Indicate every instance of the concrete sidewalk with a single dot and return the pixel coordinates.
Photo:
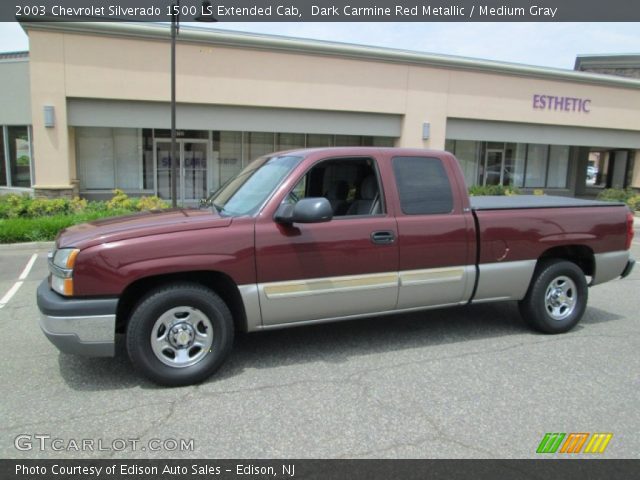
(27, 246)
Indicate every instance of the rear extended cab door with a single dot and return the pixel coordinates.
(437, 243)
(320, 271)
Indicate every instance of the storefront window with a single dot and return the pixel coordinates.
(19, 156)
(3, 165)
(348, 141)
(536, 165)
(511, 164)
(138, 160)
(289, 141)
(180, 134)
(148, 182)
(467, 153)
(450, 146)
(515, 156)
(257, 144)
(127, 153)
(558, 166)
(228, 148)
(383, 142)
(317, 141)
(109, 158)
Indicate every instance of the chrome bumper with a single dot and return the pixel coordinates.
(78, 326)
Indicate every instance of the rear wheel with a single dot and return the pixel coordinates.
(179, 334)
(557, 297)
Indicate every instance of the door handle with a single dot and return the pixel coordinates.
(383, 237)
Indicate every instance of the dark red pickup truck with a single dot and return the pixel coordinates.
(318, 235)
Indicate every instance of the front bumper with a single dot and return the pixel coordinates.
(78, 326)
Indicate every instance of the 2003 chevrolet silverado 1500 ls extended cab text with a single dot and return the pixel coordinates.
(316, 235)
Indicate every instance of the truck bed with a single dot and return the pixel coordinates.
(516, 202)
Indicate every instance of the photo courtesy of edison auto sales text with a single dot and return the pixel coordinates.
(287, 470)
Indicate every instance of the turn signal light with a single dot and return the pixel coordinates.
(71, 259)
(68, 287)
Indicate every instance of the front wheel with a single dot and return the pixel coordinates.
(179, 334)
(557, 297)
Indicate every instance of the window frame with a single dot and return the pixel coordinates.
(446, 174)
(5, 157)
(10, 159)
(384, 210)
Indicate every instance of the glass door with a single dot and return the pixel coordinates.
(194, 171)
(163, 168)
(493, 167)
(192, 181)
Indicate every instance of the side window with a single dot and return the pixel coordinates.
(350, 185)
(423, 185)
(298, 192)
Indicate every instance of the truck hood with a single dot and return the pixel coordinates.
(138, 225)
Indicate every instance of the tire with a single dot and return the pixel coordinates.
(179, 334)
(557, 297)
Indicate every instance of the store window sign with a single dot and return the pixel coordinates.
(561, 104)
(165, 162)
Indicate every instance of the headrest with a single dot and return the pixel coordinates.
(338, 191)
(369, 188)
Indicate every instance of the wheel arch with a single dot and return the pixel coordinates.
(218, 282)
(581, 255)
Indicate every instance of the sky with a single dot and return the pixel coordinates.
(542, 44)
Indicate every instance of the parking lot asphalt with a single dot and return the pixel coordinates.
(463, 382)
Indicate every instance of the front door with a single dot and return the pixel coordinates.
(192, 180)
(344, 267)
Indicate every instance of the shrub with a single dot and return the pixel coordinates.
(97, 206)
(26, 219)
(40, 207)
(151, 203)
(120, 201)
(12, 205)
(628, 196)
(78, 205)
(615, 194)
(634, 203)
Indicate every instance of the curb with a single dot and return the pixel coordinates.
(27, 246)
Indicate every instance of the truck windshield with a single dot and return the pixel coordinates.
(245, 193)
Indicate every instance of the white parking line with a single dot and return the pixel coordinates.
(16, 286)
(28, 267)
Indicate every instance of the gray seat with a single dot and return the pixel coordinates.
(368, 203)
(337, 196)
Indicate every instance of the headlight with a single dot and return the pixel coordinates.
(65, 257)
(61, 263)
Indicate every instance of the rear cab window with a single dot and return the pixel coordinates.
(423, 185)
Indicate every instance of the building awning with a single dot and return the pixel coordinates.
(134, 114)
(493, 131)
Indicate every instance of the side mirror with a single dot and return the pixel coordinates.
(307, 210)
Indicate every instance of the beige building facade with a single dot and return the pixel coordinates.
(99, 116)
